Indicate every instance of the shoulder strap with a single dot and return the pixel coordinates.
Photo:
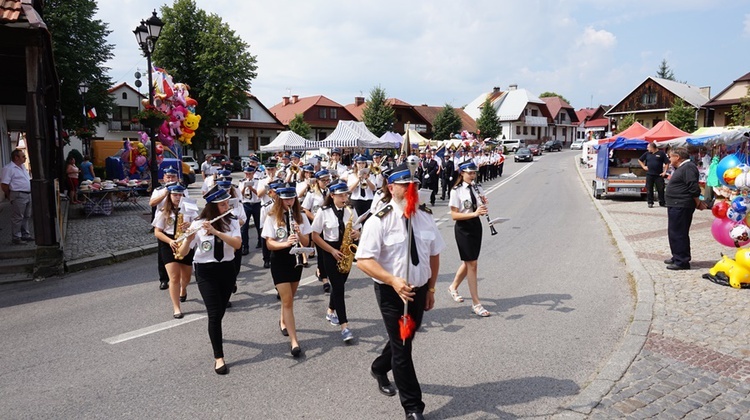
(385, 210)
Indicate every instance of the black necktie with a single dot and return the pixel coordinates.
(473, 198)
(174, 232)
(340, 216)
(413, 250)
(218, 249)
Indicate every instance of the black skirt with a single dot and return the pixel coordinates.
(468, 238)
(283, 269)
(167, 255)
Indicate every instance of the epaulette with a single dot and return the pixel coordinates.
(325, 207)
(424, 207)
(385, 199)
(385, 210)
(160, 187)
(456, 187)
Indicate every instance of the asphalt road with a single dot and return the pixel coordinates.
(103, 344)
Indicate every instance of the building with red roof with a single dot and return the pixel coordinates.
(321, 113)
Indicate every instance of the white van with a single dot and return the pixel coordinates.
(513, 145)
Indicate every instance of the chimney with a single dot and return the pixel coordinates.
(496, 89)
(512, 87)
(359, 100)
(284, 100)
(705, 91)
(295, 99)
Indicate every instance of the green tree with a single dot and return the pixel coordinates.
(199, 49)
(553, 94)
(488, 122)
(664, 72)
(740, 114)
(625, 122)
(79, 43)
(682, 116)
(446, 122)
(299, 126)
(377, 115)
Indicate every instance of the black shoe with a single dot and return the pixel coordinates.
(662, 205)
(651, 205)
(229, 304)
(669, 261)
(442, 198)
(234, 289)
(327, 287)
(223, 370)
(678, 267)
(414, 416)
(384, 385)
(266, 264)
(183, 298)
(245, 250)
(257, 245)
(296, 351)
(178, 315)
(164, 285)
(284, 331)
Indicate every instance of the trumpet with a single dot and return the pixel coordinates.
(294, 169)
(375, 169)
(490, 222)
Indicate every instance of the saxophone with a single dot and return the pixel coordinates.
(177, 233)
(347, 248)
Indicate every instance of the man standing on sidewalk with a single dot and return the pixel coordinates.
(16, 184)
(683, 197)
(655, 163)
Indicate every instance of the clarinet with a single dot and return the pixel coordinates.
(296, 252)
(490, 222)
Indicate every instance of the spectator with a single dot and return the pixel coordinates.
(73, 172)
(16, 184)
(87, 169)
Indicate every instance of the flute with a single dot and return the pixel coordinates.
(191, 231)
(490, 222)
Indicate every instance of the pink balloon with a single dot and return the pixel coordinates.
(140, 160)
(720, 229)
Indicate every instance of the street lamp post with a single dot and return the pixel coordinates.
(82, 89)
(147, 33)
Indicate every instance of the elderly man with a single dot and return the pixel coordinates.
(16, 184)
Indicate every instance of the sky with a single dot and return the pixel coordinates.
(437, 52)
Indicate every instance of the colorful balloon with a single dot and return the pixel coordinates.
(728, 162)
(720, 209)
(720, 229)
(740, 234)
(735, 216)
(740, 204)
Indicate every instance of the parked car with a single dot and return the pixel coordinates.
(223, 160)
(192, 163)
(240, 162)
(553, 145)
(523, 155)
(535, 149)
(513, 145)
(577, 144)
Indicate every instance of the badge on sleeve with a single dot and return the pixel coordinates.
(467, 204)
(206, 246)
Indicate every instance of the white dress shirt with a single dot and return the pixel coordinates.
(204, 243)
(327, 224)
(461, 198)
(279, 232)
(17, 178)
(165, 221)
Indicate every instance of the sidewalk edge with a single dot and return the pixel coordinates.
(635, 337)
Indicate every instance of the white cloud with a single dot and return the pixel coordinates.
(594, 38)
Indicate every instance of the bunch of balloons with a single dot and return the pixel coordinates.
(174, 100)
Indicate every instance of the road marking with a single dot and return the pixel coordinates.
(303, 282)
(152, 329)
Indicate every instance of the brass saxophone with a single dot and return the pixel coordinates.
(177, 233)
(347, 248)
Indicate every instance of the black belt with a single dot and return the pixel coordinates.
(22, 192)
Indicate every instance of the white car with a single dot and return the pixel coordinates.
(577, 144)
(192, 163)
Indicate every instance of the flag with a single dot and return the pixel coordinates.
(91, 113)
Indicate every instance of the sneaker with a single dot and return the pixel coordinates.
(332, 318)
(346, 335)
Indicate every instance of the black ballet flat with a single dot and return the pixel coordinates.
(183, 298)
(296, 351)
(223, 370)
(178, 315)
(284, 331)
(229, 304)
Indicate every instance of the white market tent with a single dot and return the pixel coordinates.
(392, 137)
(354, 134)
(709, 137)
(289, 141)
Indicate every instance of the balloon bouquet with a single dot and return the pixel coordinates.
(730, 226)
(179, 128)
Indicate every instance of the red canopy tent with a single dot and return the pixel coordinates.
(663, 131)
(634, 131)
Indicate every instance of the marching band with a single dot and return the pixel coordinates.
(300, 211)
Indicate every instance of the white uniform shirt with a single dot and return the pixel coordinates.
(237, 210)
(385, 239)
(301, 188)
(279, 232)
(327, 224)
(357, 193)
(377, 202)
(461, 198)
(165, 221)
(208, 182)
(250, 197)
(313, 201)
(17, 178)
(204, 243)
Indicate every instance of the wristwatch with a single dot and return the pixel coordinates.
(431, 290)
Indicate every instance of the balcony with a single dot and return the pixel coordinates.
(534, 121)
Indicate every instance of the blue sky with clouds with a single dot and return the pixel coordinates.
(439, 51)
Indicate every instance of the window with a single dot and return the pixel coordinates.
(334, 113)
(656, 121)
(649, 98)
(264, 141)
(322, 112)
(518, 129)
(534, 113)
(124, 95)
(565, 131)
(525, 130)
(554, 131)
(533, 131)
(122, 117)
(246, 114)
(322, 135)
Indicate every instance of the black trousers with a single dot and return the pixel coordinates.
(215, 282)
(678, 230)
(251, 210)
(336, 301)
(651, 182)
(361, 206)
(433, 186)
(266, 251)
(163, 276)
(396, 355)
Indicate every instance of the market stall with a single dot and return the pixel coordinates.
(289, 141)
